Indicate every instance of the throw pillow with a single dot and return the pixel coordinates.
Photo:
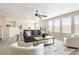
(28, 33)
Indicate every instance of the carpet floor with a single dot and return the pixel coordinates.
(57, 48)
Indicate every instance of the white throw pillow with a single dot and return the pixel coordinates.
(28, 33)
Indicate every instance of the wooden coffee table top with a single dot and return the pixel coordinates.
(41, 38)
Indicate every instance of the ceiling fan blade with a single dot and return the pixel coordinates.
(39, 16)
(43, 15)
(36, 14)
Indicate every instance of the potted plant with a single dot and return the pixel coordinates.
(44, 35)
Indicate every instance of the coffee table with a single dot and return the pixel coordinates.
(47, 40)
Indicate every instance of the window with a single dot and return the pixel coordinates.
(66, 25)
(57, 25)
(76, 22)
(50, 25)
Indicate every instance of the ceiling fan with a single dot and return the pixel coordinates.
(38, 15)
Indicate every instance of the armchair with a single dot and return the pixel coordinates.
(72, 41)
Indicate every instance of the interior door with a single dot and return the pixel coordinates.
(0, 32)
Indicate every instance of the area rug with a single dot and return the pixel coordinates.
(58, 49)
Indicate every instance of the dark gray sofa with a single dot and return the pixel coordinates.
(34, 33)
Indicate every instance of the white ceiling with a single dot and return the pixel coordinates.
(25, 11)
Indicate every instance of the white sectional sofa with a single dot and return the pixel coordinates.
(26, 50)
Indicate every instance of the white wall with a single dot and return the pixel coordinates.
(25, 24)
(13, 31)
